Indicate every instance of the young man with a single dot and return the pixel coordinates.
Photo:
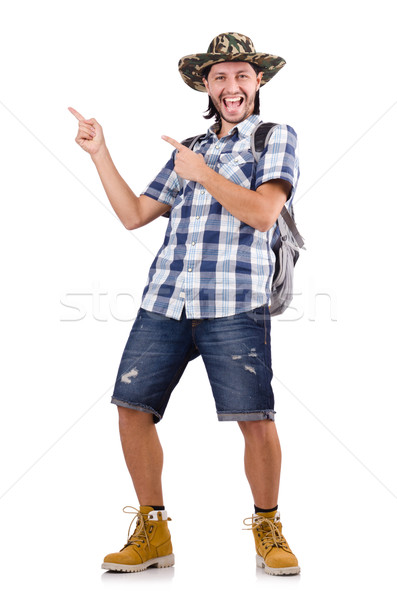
(207, 292)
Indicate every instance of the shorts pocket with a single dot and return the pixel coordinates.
(153, 315)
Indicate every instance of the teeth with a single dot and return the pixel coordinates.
(232, 99)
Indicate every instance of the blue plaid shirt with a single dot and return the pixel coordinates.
(211, 263)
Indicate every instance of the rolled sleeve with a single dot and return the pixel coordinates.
(279, 160)
(166, 185)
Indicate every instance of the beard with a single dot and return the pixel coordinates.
(245, 109)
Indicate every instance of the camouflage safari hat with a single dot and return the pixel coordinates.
(224, 48)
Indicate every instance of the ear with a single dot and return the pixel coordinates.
(206, 84)
(258, 80)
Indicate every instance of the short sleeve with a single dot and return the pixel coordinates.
(166, 185)
(280, 159)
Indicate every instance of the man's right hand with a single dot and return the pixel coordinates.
(90, 134)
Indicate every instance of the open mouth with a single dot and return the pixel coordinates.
(232, 103)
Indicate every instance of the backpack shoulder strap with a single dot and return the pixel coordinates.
(259, 138)
(289, 221)
(190, 142)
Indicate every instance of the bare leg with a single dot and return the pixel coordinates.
(143, 454)
(262, 461)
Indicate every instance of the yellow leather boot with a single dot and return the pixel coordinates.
(272, 551)
(149, 545)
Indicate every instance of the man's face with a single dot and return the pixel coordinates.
(232, 87)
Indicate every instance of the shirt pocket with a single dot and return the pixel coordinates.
(237, 167)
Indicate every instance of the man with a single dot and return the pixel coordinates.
(207, 293)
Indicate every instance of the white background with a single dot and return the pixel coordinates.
(63, 478)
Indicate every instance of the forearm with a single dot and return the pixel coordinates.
(123, 200)
(246, 205)
(259, 209)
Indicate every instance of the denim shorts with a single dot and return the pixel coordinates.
(236, 354)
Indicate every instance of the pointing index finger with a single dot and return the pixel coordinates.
(173, 142)
(74, 112)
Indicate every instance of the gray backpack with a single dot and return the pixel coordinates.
(286, 242)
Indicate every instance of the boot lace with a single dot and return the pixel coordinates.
(140, 534)
(268, 531)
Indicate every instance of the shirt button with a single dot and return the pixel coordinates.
(189, 269)
(236, 160)
(197, 217)
(202, 192)
(193, 243)
(217, 146)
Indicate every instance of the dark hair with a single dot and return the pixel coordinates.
(211, 110)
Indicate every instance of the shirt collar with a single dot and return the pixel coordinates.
(244, 129)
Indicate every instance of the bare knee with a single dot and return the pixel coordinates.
(257, 430)
(129, 417)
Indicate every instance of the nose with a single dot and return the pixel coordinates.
(231, 86)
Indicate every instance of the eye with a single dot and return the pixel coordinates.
(219, 77)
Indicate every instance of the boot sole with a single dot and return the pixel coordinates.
(161, 562)
(281, 571)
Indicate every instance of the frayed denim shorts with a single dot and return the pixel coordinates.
(236, 354)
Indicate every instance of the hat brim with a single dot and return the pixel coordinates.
(192, 65)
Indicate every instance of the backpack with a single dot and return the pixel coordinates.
(286, 242)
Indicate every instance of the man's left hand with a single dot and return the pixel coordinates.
(188, 164)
